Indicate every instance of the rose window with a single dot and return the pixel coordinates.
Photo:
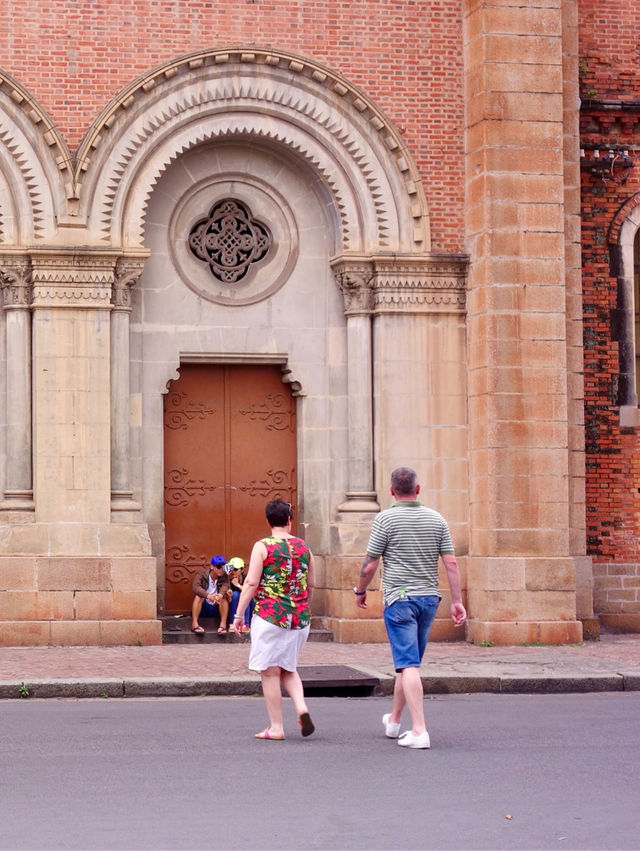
(229, 240)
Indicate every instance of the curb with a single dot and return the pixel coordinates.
(250, 686)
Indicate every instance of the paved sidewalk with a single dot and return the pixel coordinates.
(611, 664)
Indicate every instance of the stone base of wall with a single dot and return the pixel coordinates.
(78, 601)
(616, 595)
(524, 632)
(369, 630)
(620, 622)
(79, 633)
(522, 600)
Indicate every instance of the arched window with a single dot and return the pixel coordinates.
(636, 306)
(626, 318)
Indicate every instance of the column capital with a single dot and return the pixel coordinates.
(353, 276)
(15, 280)
(127, 273)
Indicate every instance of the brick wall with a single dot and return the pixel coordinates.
(75, 55)
(609, 39)
(609, 72)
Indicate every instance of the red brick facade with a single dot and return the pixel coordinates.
(76, 55)
(610, 116)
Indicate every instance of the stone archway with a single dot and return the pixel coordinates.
(254, 94)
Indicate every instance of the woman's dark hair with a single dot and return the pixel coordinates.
(278, 512)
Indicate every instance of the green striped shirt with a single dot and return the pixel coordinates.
(410, 537)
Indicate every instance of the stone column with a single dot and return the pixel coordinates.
(521, 567)
(127, 272)
(15, 279)
(353, 278)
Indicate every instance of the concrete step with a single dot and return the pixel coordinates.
(176, 629)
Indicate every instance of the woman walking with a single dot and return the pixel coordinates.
(281, 577)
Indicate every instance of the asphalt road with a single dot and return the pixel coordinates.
(504, 772)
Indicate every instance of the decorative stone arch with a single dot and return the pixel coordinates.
(269, 97)
(35, 165)
(622, 238)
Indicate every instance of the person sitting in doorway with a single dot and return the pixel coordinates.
(236, 577)
(211, 595)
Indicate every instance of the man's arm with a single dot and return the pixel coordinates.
(367, 572)
(196, 586)
(458, 612)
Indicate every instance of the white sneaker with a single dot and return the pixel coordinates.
(391, 730)
(408, 740)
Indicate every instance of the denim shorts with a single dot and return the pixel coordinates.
(408, 623)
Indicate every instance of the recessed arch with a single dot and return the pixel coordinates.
(34, 166)
(263, 95)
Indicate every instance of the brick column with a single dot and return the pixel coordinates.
(521, 571)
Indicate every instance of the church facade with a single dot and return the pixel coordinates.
(265, 250)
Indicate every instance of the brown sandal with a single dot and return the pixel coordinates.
(306, 724)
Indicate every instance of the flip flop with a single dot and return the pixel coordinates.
(222, 630)
(197, 629)
(306, 724)
(265, 734)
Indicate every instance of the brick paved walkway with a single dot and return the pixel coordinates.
(611, 653)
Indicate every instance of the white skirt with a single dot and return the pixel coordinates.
(272, 645)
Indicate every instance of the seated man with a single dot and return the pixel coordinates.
(211, 595)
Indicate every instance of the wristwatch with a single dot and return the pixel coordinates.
(359, 593)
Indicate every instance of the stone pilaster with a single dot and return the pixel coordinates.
(15, 280)
(127, 272)
(353, 277)
(521, 567)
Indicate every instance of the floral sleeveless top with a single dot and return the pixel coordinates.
(282, 593)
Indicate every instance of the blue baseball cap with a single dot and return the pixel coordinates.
(218, 561)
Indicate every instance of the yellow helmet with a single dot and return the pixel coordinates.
(236, 563)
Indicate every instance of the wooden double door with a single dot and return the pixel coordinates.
(229, 448)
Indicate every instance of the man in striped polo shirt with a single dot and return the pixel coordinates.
(409, 538)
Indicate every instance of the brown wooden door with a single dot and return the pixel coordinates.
(229, 447)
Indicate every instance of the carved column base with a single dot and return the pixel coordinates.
(18, 500)
(361, 501)
(124, 501)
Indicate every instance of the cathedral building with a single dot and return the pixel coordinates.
(274, 249)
